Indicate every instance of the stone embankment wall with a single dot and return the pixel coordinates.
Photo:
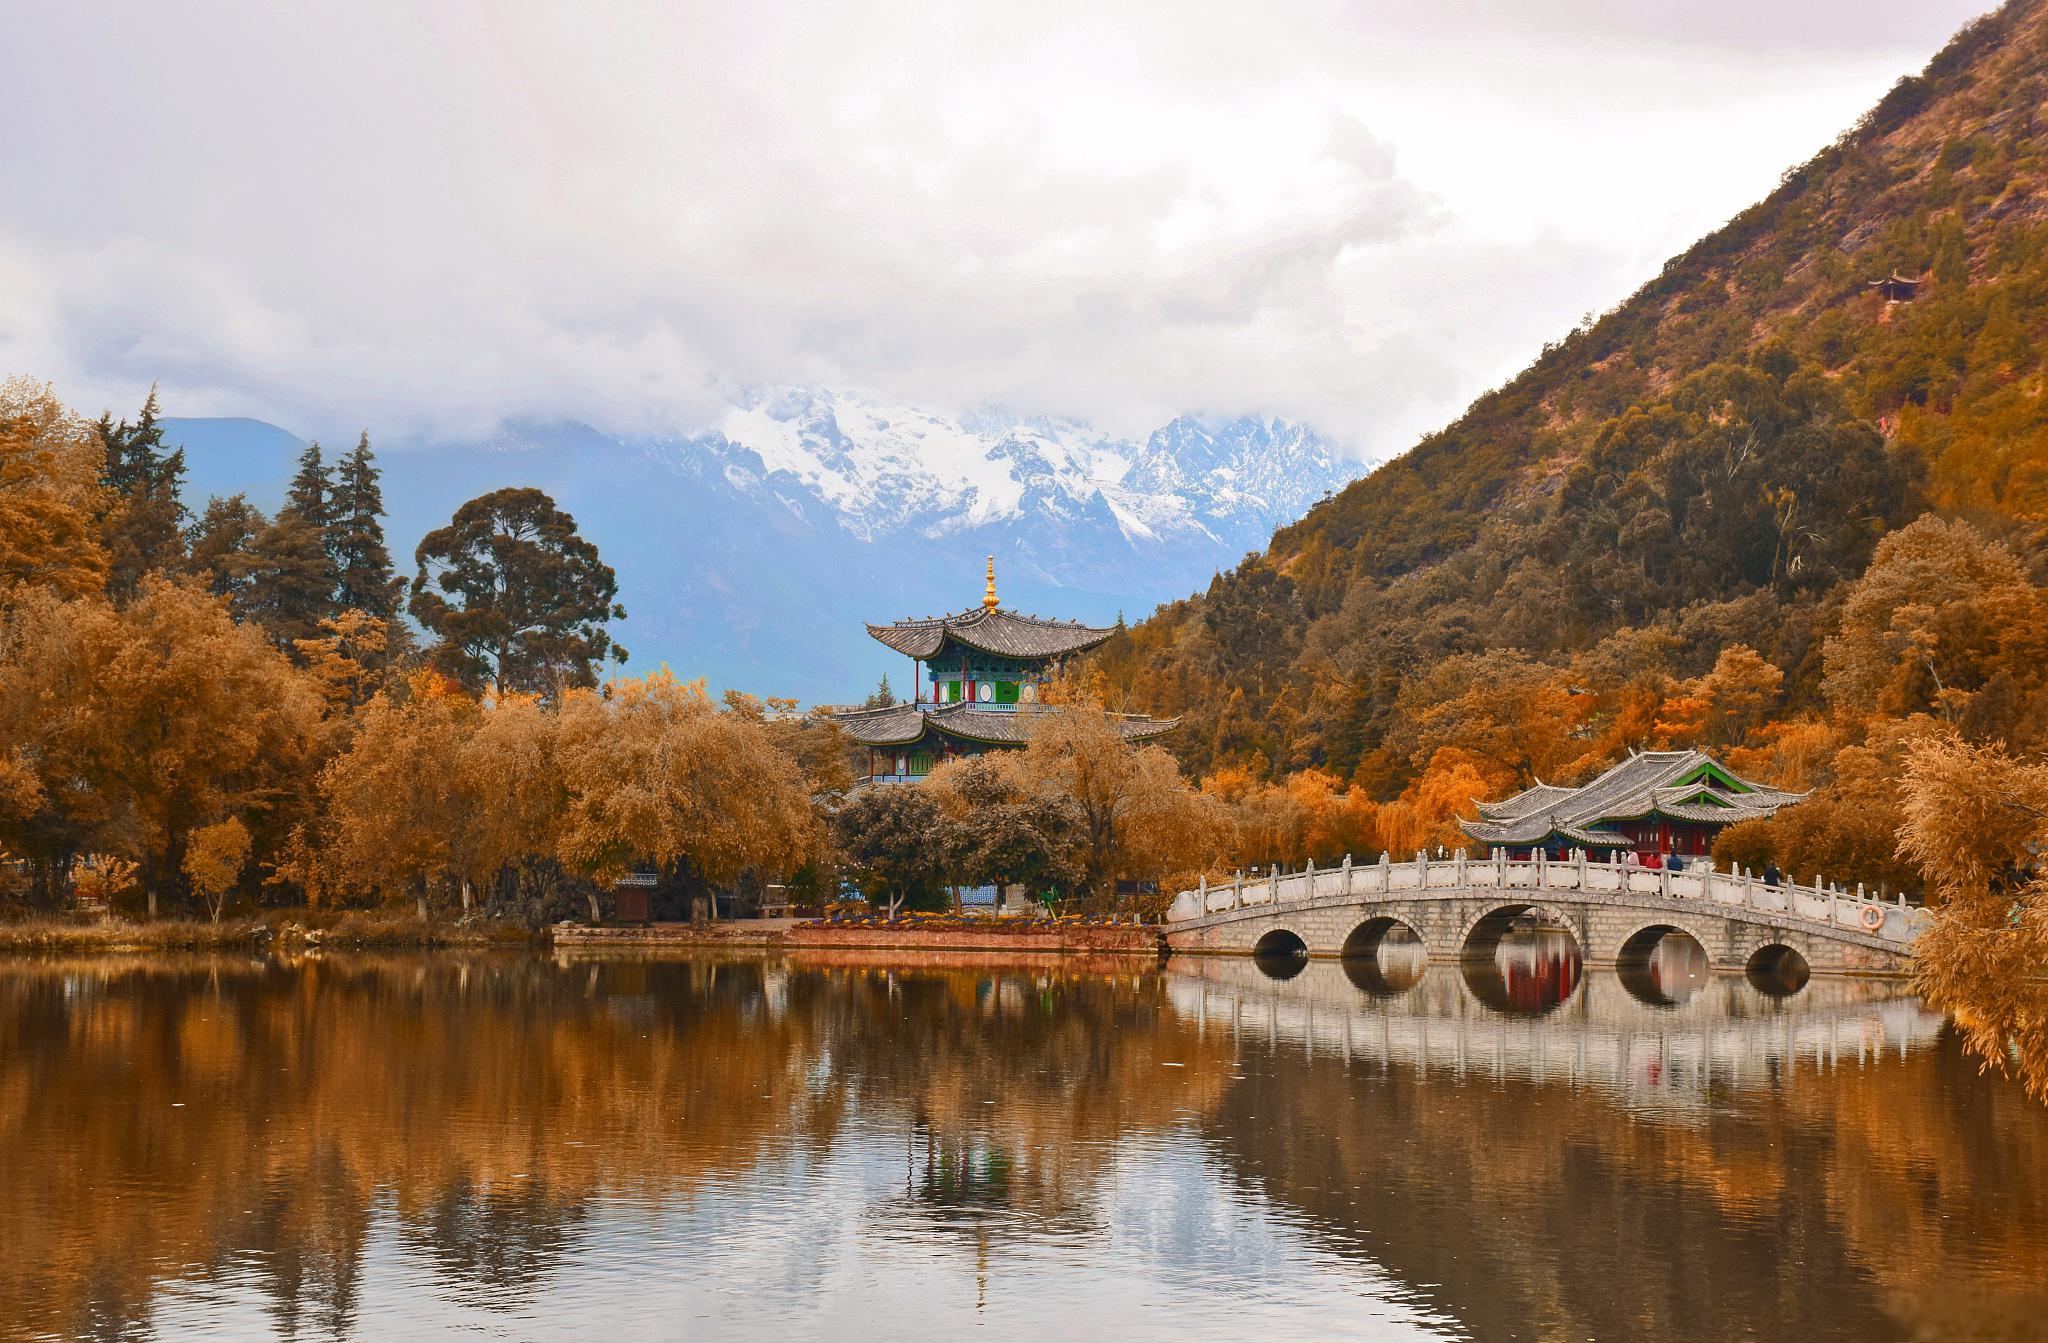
(1123, 939)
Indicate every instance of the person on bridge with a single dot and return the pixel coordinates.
(1676, 862)
(1772, 876)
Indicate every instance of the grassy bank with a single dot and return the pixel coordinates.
(299, 930)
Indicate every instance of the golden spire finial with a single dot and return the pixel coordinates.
(988, 594)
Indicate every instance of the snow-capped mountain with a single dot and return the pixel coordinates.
(753, 551)
(886, 471)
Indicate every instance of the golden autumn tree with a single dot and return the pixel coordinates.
(1975, 820)
(349, 660)
(1723, 707)
(1139, 816)
(49, 495)
(201, 720)
(1426, 813)
(1510, 715)
(654, 771)
(53, 803)
(215, 860)
(142, 725)
(509, 776)
(1940, 615)
(1307, 816)
(394, 802)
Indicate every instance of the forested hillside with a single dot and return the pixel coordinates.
(1694, 521)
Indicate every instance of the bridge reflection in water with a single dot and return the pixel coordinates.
(1530, 1012)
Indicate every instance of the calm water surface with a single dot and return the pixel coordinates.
(525, 1147)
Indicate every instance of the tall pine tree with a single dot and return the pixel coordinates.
(291, 563)
(364, 580)
(223, 545)
(291, 580)
(144, 526)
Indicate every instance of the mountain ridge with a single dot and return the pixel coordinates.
(1559, 507)
(754, 551)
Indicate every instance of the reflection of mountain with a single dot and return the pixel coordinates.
(331, 1141)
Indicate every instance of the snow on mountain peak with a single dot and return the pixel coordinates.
(884, 468)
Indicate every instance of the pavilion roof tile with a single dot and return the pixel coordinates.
(1681, 785)
(991, 629)
(903, 724)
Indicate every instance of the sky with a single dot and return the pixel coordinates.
(427, 219)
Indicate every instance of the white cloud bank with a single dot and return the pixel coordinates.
(425, 217)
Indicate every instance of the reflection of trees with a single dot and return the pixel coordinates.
(1013, 1082)
(1916, 1195)
(492, 1246)
(248, 1119)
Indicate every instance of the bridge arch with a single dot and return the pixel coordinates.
(1636, 964)
(1363, 942)
(1640, 945)
(1281, 953)
(1480, 938)
(1369, 971)
(1777, 969)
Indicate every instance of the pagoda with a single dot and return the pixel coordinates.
(979, 677)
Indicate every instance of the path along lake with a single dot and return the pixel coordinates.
(526, 1146)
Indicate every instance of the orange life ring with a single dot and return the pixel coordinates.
(1873, 917)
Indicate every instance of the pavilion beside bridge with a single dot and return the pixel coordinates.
(1653, 803)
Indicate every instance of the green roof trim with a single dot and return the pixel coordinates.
(1719, 777)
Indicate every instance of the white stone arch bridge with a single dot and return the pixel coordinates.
(1458, 908)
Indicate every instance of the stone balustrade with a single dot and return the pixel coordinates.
(1819, 905)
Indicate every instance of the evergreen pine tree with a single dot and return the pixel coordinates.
(223, 549)
(144, 527)
(311, 493)
(295, 574)
(291, 579)
(355, 538)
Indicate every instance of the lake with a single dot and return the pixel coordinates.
(525, 1146)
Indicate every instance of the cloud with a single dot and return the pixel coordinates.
(428, 218)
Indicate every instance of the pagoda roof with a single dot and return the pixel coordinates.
(1678, 785)
(903, 724)
(991, 629)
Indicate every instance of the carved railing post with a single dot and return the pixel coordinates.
(1422, 869)
(1273, 884)
(1201, 895)
(1347, 874)
(1461, 867)
(1386, 872)
(1309, 880)
(1237, 890)
(1582, 869)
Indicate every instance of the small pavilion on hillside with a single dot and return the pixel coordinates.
(1653, 802)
